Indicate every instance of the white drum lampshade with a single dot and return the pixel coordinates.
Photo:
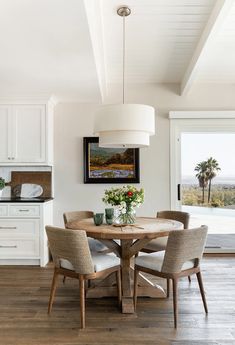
(125, 125)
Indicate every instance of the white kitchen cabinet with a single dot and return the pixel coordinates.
(23, 239)
(27, 134)
(5, 147)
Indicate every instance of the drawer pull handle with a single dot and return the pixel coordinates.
(8, 227)
(8, 246)
(24, 210)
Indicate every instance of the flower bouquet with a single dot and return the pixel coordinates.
(126, 199)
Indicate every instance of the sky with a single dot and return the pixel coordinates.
(196, 147)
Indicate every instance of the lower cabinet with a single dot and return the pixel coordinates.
(23, 239)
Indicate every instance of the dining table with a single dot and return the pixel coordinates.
(126, 241)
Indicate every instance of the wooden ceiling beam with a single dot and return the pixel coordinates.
(95, 23)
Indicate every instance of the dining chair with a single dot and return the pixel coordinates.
(72, 258)
(180, 259)
(95, 245)
(159, 244)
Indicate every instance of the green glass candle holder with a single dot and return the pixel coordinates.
(109, 215)
(98, 218)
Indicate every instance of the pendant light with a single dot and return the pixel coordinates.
(124, 125)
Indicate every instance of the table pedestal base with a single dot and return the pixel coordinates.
(107, 288)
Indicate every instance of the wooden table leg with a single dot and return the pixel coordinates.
(127, 298)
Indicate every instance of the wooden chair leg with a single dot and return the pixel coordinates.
(82, 300)
(135, 287)
(189, 279)
(168, 286)
(175, 300)
(200, 283)
(53, 290)
(119, 286)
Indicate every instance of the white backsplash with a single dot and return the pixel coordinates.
(5, 172)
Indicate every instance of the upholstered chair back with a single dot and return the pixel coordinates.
(76, 215)
(70, 245)
(179, 216)
(183, 246)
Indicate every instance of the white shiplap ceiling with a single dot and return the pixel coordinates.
(218, 65)
(73, 48)
(46, 48)
(161, 36)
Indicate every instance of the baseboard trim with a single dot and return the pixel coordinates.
(21, 262)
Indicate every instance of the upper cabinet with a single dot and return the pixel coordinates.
(5, 146)
(27, 134)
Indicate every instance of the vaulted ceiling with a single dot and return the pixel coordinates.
(73, 48)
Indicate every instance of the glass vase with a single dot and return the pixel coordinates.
(127, 217)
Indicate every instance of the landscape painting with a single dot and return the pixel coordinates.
(109, 165)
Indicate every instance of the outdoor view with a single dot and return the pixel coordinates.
(208, 170)
(208, 180)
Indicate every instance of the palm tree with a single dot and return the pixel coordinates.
(202, 177)
(212, 166)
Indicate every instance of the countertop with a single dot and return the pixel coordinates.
(26, 200)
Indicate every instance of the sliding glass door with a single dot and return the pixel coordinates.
(203, 177)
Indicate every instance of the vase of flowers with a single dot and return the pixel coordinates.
(126, 199)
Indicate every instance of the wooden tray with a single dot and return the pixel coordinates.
(42, 178)
(135, 225)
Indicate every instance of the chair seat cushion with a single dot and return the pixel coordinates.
(66, 264)
(154, 261)
(104, 261)
(101, 262)
(158, 244)
(95, 245)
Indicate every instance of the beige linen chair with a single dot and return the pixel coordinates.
(72, 258)
(159, 244)
(180, 259)
(95, 245)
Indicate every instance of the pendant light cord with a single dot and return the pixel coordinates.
(123, 12)
(123, 58)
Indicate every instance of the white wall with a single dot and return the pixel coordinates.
(73, 121)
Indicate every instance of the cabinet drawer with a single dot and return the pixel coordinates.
(3, 210)
(19, 228)
(24, 211)
(19, 248)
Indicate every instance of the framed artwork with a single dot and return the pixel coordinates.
(109, 165)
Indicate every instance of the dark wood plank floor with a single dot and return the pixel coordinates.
(24, 295)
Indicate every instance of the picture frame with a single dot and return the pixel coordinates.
(109, 165)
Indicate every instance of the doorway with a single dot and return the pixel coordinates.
(203, 165)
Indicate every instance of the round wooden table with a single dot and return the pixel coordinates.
(132, 239)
